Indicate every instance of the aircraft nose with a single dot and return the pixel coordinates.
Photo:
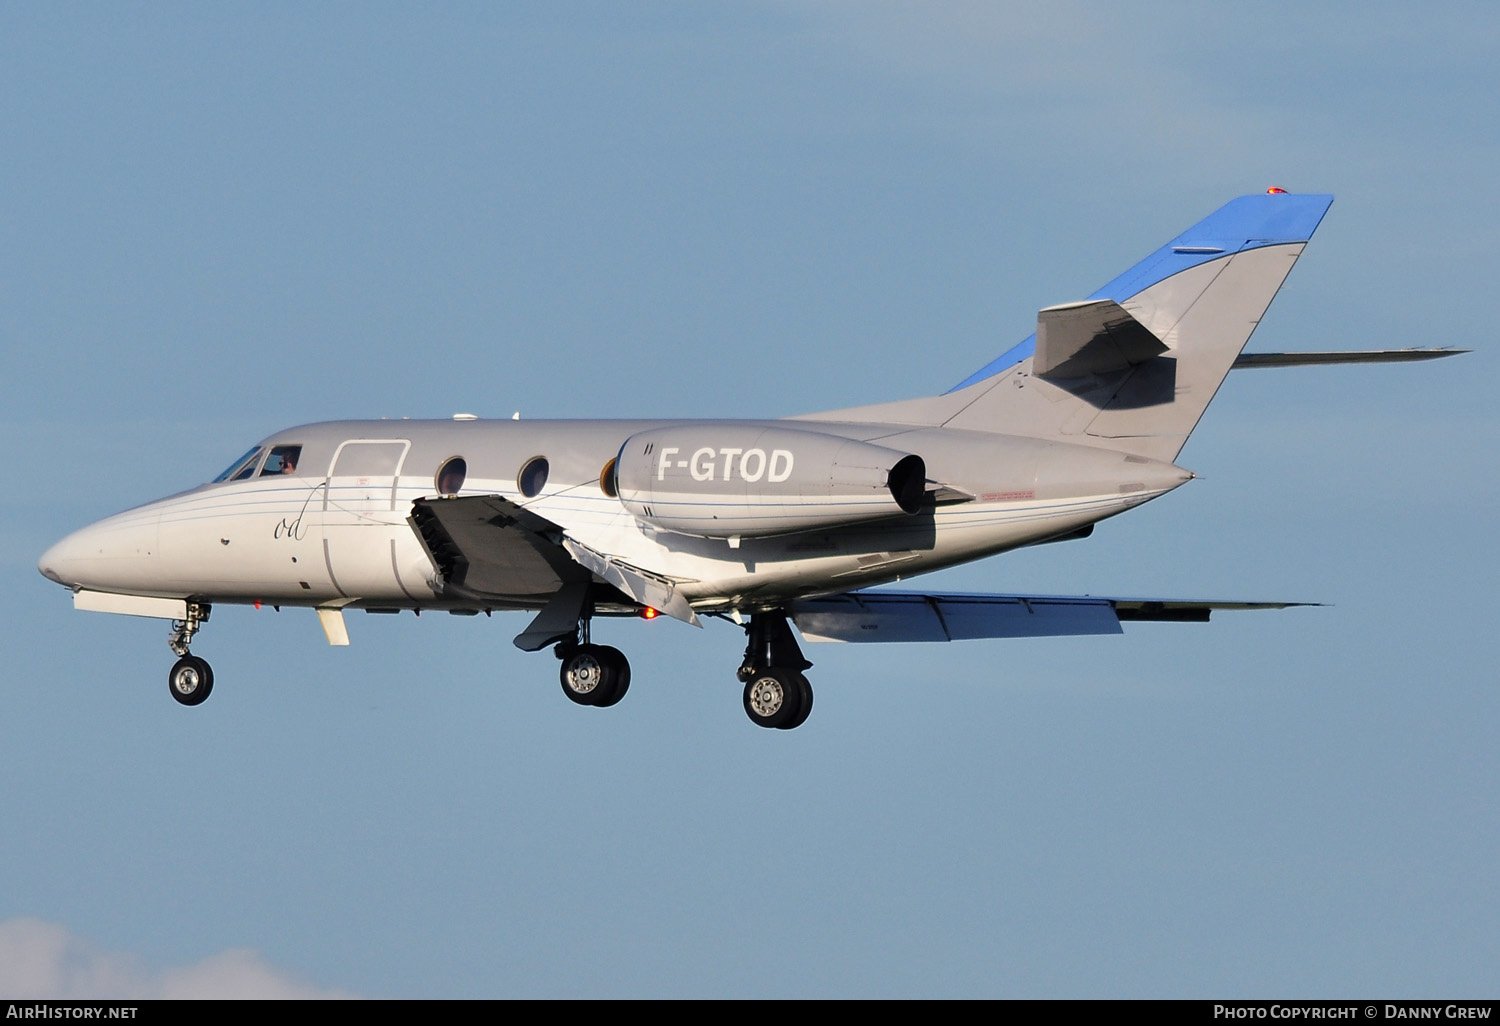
(47, 565)
(108, 555)
(61, 562)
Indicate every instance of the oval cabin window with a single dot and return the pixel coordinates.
(533, 477)
(450, 476)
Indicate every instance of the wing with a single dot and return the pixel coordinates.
(489, 550)
(916, 616)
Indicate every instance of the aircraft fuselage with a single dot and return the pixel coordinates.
(334, 529)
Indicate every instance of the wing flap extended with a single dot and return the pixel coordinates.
(486, 546)
(872, 616)
(649, 589)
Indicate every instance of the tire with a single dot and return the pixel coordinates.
(805, 698)
(619, 668)
(190, 680)
(772, 698)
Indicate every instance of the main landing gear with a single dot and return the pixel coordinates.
(191, 678)
(776, 692)
(592, 674)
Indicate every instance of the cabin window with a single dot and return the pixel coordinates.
(242, 467)
(450, 476)
(283, 460)
(533, 477)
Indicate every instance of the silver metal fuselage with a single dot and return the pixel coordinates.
(335, 532)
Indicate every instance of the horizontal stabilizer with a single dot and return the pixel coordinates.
(1096, 336)
(913, 616)
(1353, 356)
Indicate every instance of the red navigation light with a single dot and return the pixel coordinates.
(1275, 190)
(647, 613)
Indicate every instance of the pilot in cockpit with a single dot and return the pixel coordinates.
(283, 460)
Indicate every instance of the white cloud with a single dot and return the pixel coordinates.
(43, 960)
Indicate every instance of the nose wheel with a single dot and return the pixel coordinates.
(191, 680)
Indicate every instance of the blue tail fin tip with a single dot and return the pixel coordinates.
(1248, 222)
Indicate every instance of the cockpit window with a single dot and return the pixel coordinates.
(242, 467)
(283, 460)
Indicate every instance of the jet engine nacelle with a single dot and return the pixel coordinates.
(723, 480)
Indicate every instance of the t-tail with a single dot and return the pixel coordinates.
(1133, 366)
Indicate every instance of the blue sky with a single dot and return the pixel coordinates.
(221, 221)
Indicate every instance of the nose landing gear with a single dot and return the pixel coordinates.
(191, 679)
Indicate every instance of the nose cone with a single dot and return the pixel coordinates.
(56, 561)
(115, 554)
(70, 561)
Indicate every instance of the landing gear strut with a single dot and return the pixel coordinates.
(191, 679)
(596, 675)
(776, 692)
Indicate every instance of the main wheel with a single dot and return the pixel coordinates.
(594, 675)
(804, 710)
(773, 698)
(615, 662)
(190, 680)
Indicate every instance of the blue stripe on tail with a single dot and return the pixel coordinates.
(1249, 222)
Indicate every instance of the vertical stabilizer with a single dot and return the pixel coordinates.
(1133, 366)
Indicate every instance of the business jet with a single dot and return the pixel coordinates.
(765, 523)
